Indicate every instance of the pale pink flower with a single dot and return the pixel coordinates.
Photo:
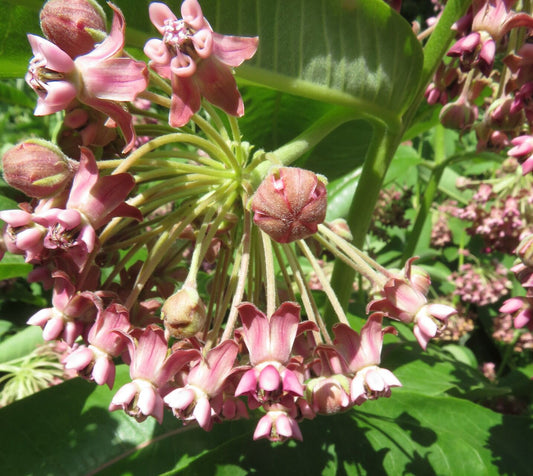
(362, 354)
(269, 342)
(92, 202)
(150, 369)
(523, 151)
(102, 78)
(278, 424)
(201, 398)
(95, 361)
(404, 300)
(197, 60)
(71, 311)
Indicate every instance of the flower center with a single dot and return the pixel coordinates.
(178, 36)
(38, 74)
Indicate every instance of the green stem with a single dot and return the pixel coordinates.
(429, 193)
(379, 155)
(303, 143)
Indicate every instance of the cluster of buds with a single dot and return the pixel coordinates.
(462, 83)
(126, 222)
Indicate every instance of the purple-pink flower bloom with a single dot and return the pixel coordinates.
(404, 300)
(269, 342)
(201, 398)
(197, 60)
(361, 352)
(95, 361)
(102, 78)
(523, 151)
(71, 311)
(150, 369)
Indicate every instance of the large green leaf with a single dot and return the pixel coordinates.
(68, 430)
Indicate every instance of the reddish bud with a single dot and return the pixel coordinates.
(67, 23)
(184, 313)
(290, 204)
(459, 115)
(38, 168)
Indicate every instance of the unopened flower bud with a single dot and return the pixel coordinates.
(525, 250)
(290, 204)
(38, 168)
(67, 23)
(459, 115)
(184, 313)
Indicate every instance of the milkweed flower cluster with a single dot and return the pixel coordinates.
(122, 229)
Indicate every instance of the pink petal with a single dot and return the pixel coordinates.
(291, 383)
(203, 43)
(53, 328)
(112, 44)
(283, 329)
(247, 384)
(256, 332)
(421, 337)
(269, 379)
(374, 381)
(115, 79)
(218, 86)
(56, 58)
(263, 428)
(233, 50)
(16, 218)
(512, 305)
(27, 239)
(202, 413)
(180, 398)
(192, 13)
(186, 100)
(147, 400)
(210, 376)
(159, 12)
(59, 94)
(79, 359)
(40, 318)
(124, 396)
(104, 371)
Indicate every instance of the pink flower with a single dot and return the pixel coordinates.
(71, 311)
(150, 369)
(278, 424)
(523, 151)
(197, 60)
(269, 342)
(92, 202)
(201, 398)
(362, 354)
(101, 79)
(522, 310)
(404, 300)
(96, 360)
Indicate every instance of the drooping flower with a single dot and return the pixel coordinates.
(405, 301)
(201, 398)
(278, 424)
(71, 311)
(150, 369)
(102, 78)
(361, 352)
(92, 202)
(269, 342)
(492, 19)
(96, 360)
(196, 60)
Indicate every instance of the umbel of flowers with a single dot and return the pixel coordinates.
(121, 238)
